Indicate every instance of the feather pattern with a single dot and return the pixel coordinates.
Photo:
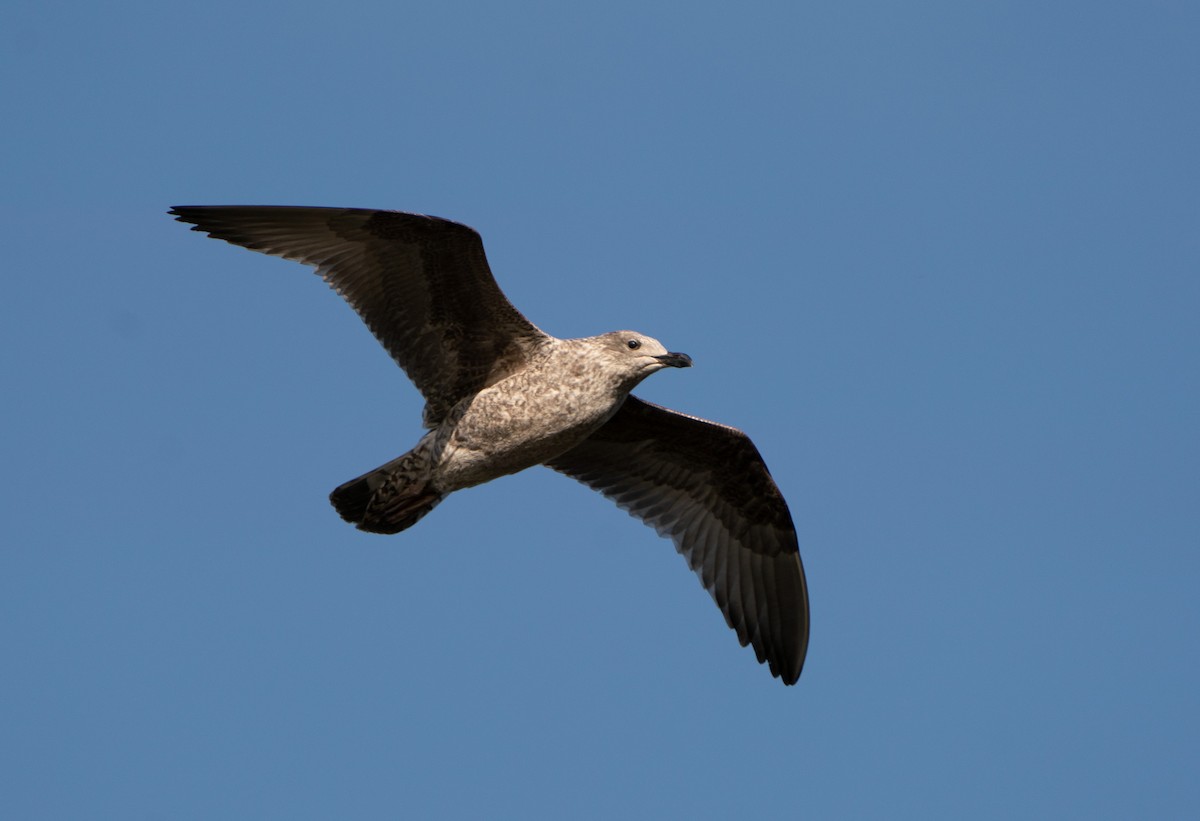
(706, 487)
(421, 284)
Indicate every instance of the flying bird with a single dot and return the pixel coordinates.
(502, 396)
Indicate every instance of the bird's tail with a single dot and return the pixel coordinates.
(389, 499)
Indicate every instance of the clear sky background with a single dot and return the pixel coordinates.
(941, 260)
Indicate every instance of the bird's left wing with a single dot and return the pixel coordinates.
(706, 487)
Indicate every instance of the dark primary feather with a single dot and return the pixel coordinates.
(421, 284)
(706, 487)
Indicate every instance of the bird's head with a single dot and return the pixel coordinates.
(638, 355)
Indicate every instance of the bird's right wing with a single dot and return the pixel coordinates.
(706, 487)
(421, 284)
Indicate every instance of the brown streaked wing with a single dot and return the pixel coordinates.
(421, 284)
(706, 487)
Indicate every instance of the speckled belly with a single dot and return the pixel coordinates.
(502, 431)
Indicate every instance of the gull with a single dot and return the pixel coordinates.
(502, 396)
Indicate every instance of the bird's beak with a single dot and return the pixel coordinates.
(675, 360)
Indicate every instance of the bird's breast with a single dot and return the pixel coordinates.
(520, 422)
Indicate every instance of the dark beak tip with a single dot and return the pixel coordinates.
(676, 360)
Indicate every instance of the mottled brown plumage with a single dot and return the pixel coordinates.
(705, 487)
(502, 396)
(421, 284)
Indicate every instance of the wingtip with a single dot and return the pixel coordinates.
(184, 213)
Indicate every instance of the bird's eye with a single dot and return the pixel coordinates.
(634, 344)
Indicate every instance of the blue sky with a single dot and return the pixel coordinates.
(941, 261)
